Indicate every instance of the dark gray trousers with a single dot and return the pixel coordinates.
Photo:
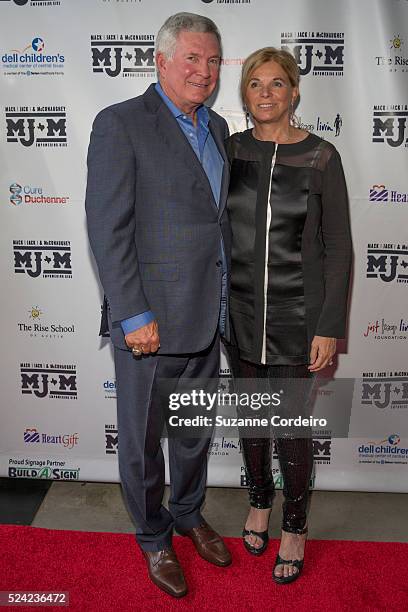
(141, 417)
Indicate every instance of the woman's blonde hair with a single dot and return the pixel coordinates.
(268, 54)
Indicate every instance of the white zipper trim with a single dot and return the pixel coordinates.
(266, 279)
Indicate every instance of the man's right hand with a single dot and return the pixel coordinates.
(145, 339)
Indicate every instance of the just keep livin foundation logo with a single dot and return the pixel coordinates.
(317, 53)
(395, 56)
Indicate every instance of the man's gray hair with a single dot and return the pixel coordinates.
(166, 40)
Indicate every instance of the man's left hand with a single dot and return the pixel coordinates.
(145, 339)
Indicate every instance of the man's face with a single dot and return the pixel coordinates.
(191, 75)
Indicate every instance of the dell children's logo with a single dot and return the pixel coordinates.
(316, 53)
(131, 55)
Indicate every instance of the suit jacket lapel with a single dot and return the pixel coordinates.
(219, 141)
(173, 137)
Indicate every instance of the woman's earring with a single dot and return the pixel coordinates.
(246, 117)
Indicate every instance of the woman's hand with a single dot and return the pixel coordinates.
(321, 353)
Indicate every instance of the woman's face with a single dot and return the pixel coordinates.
(269, 94)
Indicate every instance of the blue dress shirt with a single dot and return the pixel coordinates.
(204, 146)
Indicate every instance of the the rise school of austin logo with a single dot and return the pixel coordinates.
(32, 60)
(43, 258)
(56, 381)
(382, 329)
(38, 3)
(394, 58)
(33, 436)
(30, 194)
(111, 439)
(386, 451)
(46, 469)
(44, 126)
(381, 193)
(385, 390)
(317, 53)
(129, 55)
(324, 126)
(387, 262)
(390, 124)
(37, 325)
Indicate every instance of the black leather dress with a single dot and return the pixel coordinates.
(291, 256)
(291, 247)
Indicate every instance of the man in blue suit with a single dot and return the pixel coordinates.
(156, 194)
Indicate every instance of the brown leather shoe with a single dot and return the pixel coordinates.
(165, 571)
(209, 544)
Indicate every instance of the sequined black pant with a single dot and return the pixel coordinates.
(295, 454)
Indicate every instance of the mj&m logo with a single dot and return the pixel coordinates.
(129, 55)
(385, 391)
(45, 258)
(388, 262)
(390, 124)
(316, 53)
(44, 126)
(49, 380)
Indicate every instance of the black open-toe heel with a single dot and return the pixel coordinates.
(263, 535)
(286, 579)
(298, 563)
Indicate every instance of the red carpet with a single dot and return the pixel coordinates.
(104, 571)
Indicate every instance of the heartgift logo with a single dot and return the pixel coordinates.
(33, 436)
(380, 193)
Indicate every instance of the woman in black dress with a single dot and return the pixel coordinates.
(291, 255)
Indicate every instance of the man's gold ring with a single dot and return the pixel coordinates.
(136, 352)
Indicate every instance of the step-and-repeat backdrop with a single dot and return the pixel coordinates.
(64, 60)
